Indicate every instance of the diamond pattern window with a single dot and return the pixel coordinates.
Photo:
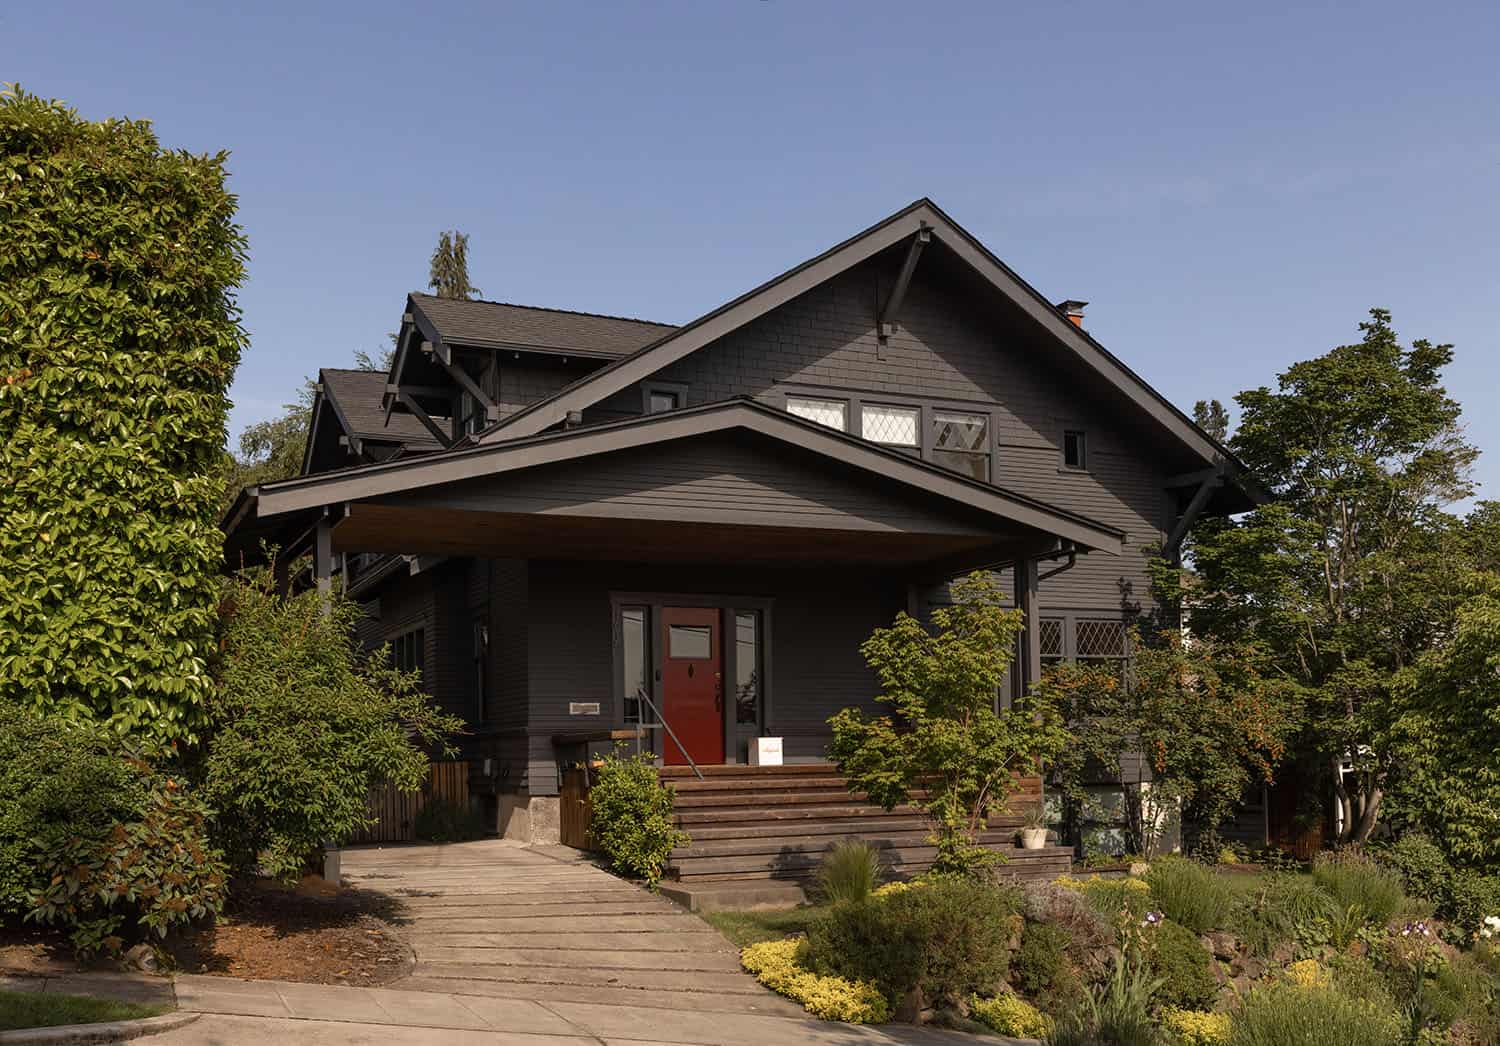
(833, 413)
(1050, 638)
(893, 426)
(961, 442)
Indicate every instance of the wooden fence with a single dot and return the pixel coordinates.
(396, 812)
(574, 809)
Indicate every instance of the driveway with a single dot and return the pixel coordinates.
(523, 945)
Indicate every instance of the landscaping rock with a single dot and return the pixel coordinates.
(1248, 966)
(1139, 868)
(1223, 945)
(142, 957)
(1283, 954)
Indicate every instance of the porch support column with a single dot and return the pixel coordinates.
(323, 560)
(1028, 668)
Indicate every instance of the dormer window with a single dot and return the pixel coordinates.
(662, 396)
(891, 426)
(658, 402)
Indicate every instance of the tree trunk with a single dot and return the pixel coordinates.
(1369, 815)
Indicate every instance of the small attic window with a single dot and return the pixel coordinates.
(1075, 450)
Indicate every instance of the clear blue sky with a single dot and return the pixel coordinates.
(1231, 189)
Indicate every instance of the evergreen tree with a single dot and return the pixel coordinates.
(448, 274)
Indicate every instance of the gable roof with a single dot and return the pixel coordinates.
(500, 325)
(356, 396)
(679, 342)
(379, 480)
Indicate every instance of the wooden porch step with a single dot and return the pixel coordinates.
(759, 800)
(752, 785)
(853, 827)
(762, 815)
(744, 770)
(901, 860)
(879, 837)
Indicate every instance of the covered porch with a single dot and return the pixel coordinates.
(706, 576)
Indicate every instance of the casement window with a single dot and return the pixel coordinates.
(1086, 640)
(1075, 450)
(961, 442)
(833, 413)
(471, 417)
(892, 426)
(409, 651)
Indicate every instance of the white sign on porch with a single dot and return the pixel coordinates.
(765, 751)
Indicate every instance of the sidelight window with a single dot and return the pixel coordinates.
(747, 669)
(636, 663)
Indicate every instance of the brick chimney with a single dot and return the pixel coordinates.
(1073, 310)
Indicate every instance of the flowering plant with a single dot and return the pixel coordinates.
(1490, 927)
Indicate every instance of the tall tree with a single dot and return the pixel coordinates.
(448, 274)
(1350, 572)
(119, 335)
(1212, 418)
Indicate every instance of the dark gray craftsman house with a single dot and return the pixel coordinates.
(574, 523)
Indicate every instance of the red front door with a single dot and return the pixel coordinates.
(692, 684)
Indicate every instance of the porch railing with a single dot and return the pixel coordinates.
(661, 721)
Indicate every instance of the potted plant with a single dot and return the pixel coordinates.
(1034, 829)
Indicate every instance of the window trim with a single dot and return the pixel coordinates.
(676, 389)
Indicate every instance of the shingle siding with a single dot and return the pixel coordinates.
(944, 349)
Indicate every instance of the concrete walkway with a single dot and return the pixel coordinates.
(501, 920)
(257, 1012)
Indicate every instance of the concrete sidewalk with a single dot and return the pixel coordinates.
(254, 1013)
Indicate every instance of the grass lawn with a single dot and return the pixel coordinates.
(36, 1010)
(750, 927)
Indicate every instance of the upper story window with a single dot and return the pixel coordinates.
(833, 413)
(471, 417)
(1075, 449)
(657, 402)
(891, 425)
(961, 441)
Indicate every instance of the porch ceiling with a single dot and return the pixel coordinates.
(409, 529)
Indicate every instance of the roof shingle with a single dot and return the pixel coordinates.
(493, 324)
(358, 395)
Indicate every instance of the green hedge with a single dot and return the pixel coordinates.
(119, 336)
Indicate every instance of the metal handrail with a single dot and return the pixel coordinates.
(641, 693)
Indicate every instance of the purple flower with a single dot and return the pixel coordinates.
(1418, 928)
(1152, 918)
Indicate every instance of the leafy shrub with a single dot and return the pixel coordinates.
(1011, 1015)
(119, 339)
(1282, 909)
(631, 819)
(776, 965)
(1196, 1027)
(1357, 978)
(1423, 867)
(1042, 959)
(950, 939)
(1355, 881)
(1090, 932)
(1183, 966)
(847, 872)
(301, 727)
(1283, 1014)
(1115, 1013)
(1473, 898)
(95, 841)
(1112, 896)
(944, 747)
(444, 821)
(1188, 893)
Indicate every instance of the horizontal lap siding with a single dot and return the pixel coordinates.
(818, 620)
(730, 479)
